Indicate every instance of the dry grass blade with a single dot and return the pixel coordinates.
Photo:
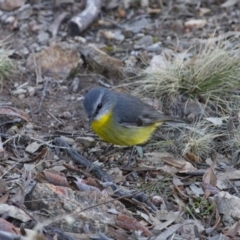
(6, 64)
(233, 144)
(162, 81)
(198, 139)
(216, 70)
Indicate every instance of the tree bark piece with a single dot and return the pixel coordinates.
(82, 21)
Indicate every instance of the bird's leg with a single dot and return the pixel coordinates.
(130, 159)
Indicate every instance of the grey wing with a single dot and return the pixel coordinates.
(132, 112)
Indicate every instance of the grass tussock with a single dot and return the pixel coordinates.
(6, 63)
(198, 139)
(213, 70)
(207, 76)
(233, 144)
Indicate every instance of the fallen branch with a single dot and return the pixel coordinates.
(80, 22)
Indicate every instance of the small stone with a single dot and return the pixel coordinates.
(35, 47)
(156, 47)
(69, 141)
(25, 12)
(10, 5)
(21, 96)
(4, 17)
(82, 40)
(33, 147)
(64, 88)
(24, 51)
(75, 84)
(23, 28)
(86, 141)
(143, 42)
(78, 147)
(55, 157)
(43, 37)
(29, 126)
(31, 91)
(34, 26)
(10, 19)
(67, 115)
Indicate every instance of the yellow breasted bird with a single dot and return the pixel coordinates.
(122, 119)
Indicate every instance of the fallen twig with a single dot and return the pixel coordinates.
(43, 96)
(80, 22)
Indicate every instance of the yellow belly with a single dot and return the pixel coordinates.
(116, 134)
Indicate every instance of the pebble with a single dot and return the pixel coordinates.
(69, 141)
(24, 51)
(35, 47)
(29, 126)
(43, 37)
(5, 16)
(31, 91)
(80, 39)
(78, 147)
(10, 19)
(25, 12)
(67, 115)
(156, 47)
(32, 147)
(143, 42)
(86, 141)
(75, 84)
(21, 96)
(64, 88)
(119, 36)
(55, 157)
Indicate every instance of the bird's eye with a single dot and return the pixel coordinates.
(99, 106)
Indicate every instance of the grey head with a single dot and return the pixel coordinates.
(98, 102)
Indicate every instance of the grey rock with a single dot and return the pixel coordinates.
(86, 141)
(143, 42)
(25, 12)
(43, 37)
(156, 47)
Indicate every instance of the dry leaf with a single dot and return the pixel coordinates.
(209, 181)
(132, 224)
(54, 178)
(14, 112)
(7, 227)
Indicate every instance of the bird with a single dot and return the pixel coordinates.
(122, 119)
